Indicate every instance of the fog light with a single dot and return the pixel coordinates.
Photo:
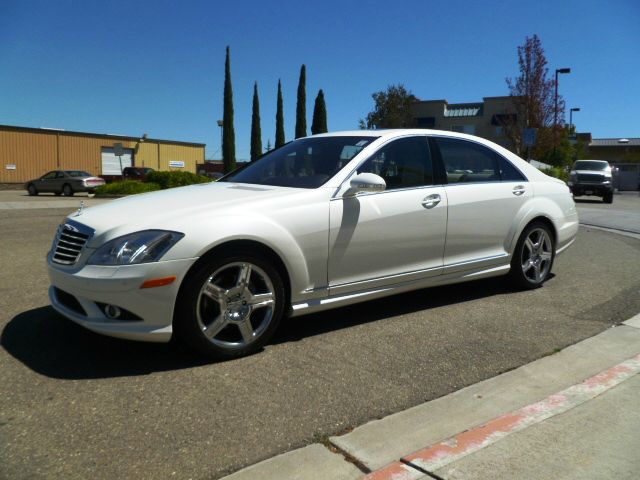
(111, 311)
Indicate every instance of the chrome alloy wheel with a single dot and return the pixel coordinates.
(537, 253)
(235, 305)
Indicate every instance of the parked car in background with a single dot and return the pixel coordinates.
(136, 173)
(324, 221)
(591, 177)
(64, 182)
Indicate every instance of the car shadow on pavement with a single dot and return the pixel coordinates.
(587, 200)
(56, 347)
(297, 328)
(53, 346)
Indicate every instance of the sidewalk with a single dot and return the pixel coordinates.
(570, 415)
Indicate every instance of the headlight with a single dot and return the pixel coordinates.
(140, 247)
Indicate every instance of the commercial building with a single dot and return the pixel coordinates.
(27, 153)
(622, 153)
(484, 119)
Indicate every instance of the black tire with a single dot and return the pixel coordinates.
(32, 190)
(186, 321)
(67, 191)
(608, 197)
(57, 194)
(525, 278)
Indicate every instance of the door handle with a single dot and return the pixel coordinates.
(518, 190)
(431, 201)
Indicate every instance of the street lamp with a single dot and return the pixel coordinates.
(571, 110)
(555, 108)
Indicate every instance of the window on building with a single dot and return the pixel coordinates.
(426, 122)
(403, 163)
(469, 129)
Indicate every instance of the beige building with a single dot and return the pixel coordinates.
(483, 119)
(27, 153)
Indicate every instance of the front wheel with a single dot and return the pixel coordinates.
(230, 306)
(32, 189)
(533, 256)
(608, 197)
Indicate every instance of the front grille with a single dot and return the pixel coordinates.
(591, 177)
(70, 240)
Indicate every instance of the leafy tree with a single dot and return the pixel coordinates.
(279, 119)
(533, 98)
(319, 124)
(392, 109)
(228, 132)
(268, 144)
(256, 133)
(301, 106)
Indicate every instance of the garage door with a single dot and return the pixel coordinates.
(111, 163)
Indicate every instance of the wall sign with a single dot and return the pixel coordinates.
(10, 166)
(176, 163)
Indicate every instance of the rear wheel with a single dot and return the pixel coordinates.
(32, 189)
(533, 256)
(230, 306)
(67, 191)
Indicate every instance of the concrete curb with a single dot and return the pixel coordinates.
(468, 419)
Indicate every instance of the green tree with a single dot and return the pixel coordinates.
(256, 133)
(228, 132)
(392, 109)
(301, 106)
(279, 119)
(319, 124)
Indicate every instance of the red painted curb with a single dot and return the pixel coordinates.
(436, 456)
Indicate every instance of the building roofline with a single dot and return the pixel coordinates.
(98, 135)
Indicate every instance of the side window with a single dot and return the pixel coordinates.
(60, 175)
(467, 161)
(509, 173)
(403, 163)
(49, 176)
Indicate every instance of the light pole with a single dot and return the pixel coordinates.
(571, 110)
(221, 124)
(555, 108)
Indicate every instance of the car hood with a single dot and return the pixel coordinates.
(168, 209)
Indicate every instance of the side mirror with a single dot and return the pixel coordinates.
(365, 182)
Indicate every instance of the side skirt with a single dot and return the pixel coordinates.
(318, 305)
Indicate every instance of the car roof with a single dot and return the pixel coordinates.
(397, 132)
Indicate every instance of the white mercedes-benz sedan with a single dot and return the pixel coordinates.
(322, 222)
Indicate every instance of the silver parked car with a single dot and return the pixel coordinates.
(64, 182)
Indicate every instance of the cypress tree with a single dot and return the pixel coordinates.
(319, 124)
(256, 133)
(279, 119)
(301, 107)
(228, 132)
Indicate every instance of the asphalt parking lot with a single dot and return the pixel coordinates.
(74, 404)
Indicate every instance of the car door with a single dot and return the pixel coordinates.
(46, 182)
(388, 237)
(485, 192)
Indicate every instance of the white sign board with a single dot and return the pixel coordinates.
(10, 166)
(176, 163)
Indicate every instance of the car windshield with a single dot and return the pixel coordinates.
(78, 173)
(305, 163)
(590, 165)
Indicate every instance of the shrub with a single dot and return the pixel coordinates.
(556, 172)
(175, 179)
(126, 187)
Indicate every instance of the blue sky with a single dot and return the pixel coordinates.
(133, 67)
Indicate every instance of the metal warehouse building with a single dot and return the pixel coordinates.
(27, 153)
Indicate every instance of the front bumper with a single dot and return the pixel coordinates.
(598, 189)
(93, 285)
